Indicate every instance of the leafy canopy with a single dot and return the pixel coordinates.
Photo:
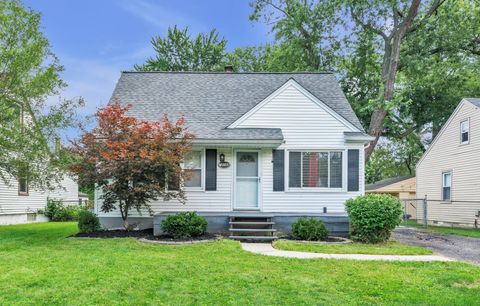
(29, 127)
(180, 52)
(133, 162)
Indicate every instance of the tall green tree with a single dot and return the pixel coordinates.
(179, 51)
(348, 26)
(29, 127)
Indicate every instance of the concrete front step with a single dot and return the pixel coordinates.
(253, 237)
(251, 222)
(252, 230)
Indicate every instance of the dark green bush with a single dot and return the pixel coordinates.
(57, 211)
(373, 217)
(88, 222)
(309, 229)
(184, 225)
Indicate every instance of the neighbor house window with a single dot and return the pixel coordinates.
(193, 169)
(317, 169)
(465, 131)
(446, 186)
(23, 186)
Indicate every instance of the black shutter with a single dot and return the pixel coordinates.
(294, 169)
(211, 169)
(353, 169)
(278, 170)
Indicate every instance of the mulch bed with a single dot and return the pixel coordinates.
(116, 234)
(206, 236)
(146, 235)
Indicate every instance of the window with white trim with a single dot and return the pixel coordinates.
(446, 186)
(464, 131)
(193, 169)
(323, 169)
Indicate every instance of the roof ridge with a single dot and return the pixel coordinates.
(229, 73)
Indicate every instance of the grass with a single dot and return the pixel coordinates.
(467, 232)
(389, 248)
(40, 266)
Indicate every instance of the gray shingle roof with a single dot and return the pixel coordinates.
(386, 182)
(211, 102)
(474, 101)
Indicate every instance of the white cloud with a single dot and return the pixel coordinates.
(159, 16)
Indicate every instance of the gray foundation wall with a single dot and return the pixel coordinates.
(218, 222)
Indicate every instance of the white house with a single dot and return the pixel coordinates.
(269, 147)
(19, 203)
(448, 174)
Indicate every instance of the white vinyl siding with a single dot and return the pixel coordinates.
(463, 161)
(13, 203)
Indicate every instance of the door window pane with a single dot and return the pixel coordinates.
(247, 164)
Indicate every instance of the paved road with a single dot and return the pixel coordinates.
(458, 247)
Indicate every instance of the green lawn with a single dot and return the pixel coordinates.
(392, 247)
(468, 232)
(40, 266)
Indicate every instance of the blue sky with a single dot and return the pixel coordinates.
(96, 39)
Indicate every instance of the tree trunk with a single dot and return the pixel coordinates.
(391, 59)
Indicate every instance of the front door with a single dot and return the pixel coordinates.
(247, 180)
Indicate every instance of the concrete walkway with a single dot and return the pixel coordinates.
(267, 249)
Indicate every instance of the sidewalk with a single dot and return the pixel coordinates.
(267, 249)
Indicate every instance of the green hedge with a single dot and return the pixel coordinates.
(373, 217)
(184, 225)
(88, 222)
(309, 229)
(57, 211)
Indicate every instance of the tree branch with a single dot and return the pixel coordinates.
(368, 26)
(433, 8)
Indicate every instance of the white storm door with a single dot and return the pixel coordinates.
(247, 180)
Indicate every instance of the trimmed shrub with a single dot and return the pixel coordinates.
(88, 222)
(56, 211)
(184, 225)
(373, 217)
(309, 229)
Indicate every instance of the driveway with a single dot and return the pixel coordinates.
(458, 247)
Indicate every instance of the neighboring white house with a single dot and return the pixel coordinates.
(272, 145)
(19, 203)
(448, 174)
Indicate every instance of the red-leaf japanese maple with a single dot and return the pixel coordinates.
(132, 161)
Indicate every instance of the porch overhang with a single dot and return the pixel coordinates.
(240, 143)
(357, 137)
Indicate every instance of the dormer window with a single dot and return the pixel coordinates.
(465, 131)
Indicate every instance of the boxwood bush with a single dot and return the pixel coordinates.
(309, 229)
(184, 225)
(88, 222)
(373, 217)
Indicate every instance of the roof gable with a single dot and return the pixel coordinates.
(447, 124)
(292, 83)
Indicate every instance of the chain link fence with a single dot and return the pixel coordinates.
(424, 212)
